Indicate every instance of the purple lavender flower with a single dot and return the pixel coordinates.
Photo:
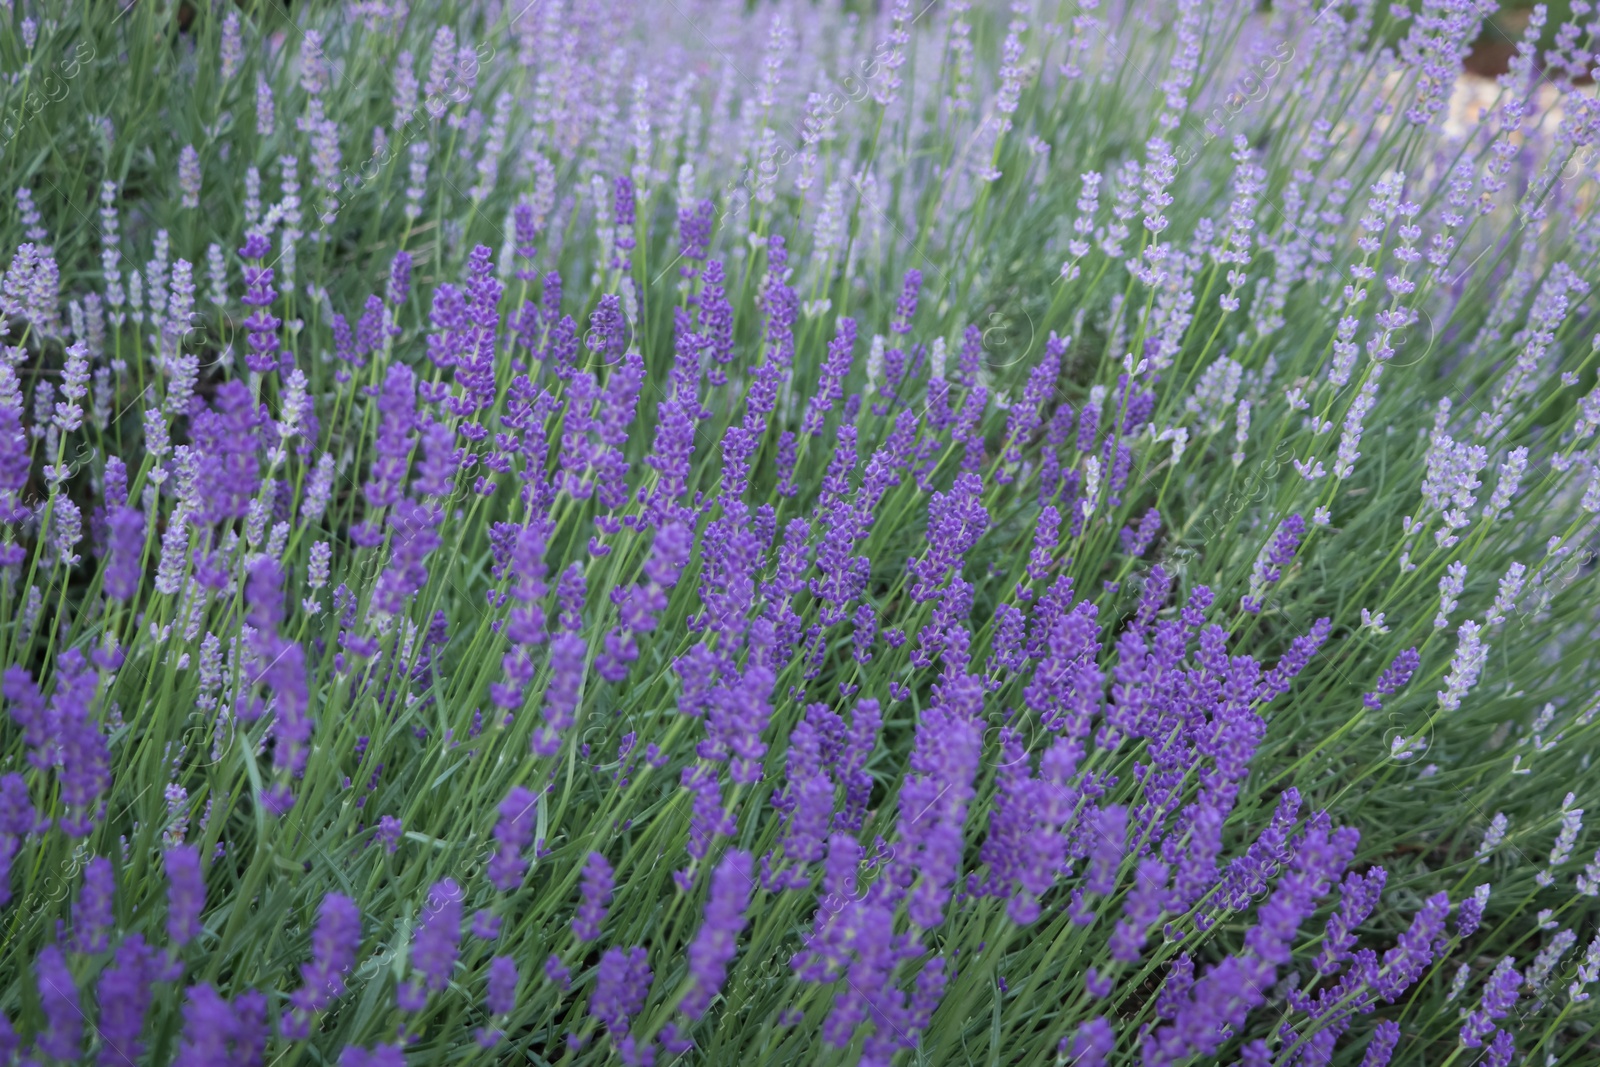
(14, 464)
(1499, 997)
(208, 1023)
(568, 652)
(399, 290)
(956, 520)
(125, 991)
(189, 176)
(1135, 542)
(333, 952)
(125, 534)
(1276, 681)
(1107, 839)
(1501, 1050)
(390, 831)
(830, 387)
(92, 913)
(377, 1056)
(438, 938)
(1027, 415)
(933, 801)
(486, 924)
(281, 668)
(707, 820)
(186, 894)
(807, 802)
(397, 419)
(1092, 1044)
(1404, 963)
(1142, 907)
(906, 307)
(372, 331)
(501, 997)
(1225, 994)
(225, 435)
(1269, 568)
(415, 536)
(608, 330)
(621, 984)
(1470, 914)
(1384, 1038)
(1358, 895)
(62, 1037)
(557, 973)
(513, 833)
(64, 734)
(716, 942)
(1394, 678)
(596, 889)
(851, 766)
(716, 320)
(17, 817)
(694, 236)
(259, 294)
(622, 213)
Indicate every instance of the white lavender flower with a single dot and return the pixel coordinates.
(1350, 438)
(1505, 600)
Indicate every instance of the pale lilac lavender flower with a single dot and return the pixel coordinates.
(1464, 667)
(1510, 588)
(1505, 490)
(266, 113)
(189, 177)
(1588, 973)
(1493, 836)
(1450, 587)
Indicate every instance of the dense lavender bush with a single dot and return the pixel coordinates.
(573, 532)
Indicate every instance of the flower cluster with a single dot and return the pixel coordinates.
(581, 579)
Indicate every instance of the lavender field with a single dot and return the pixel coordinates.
(802, 532)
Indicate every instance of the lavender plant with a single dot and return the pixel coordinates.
(574, 532)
